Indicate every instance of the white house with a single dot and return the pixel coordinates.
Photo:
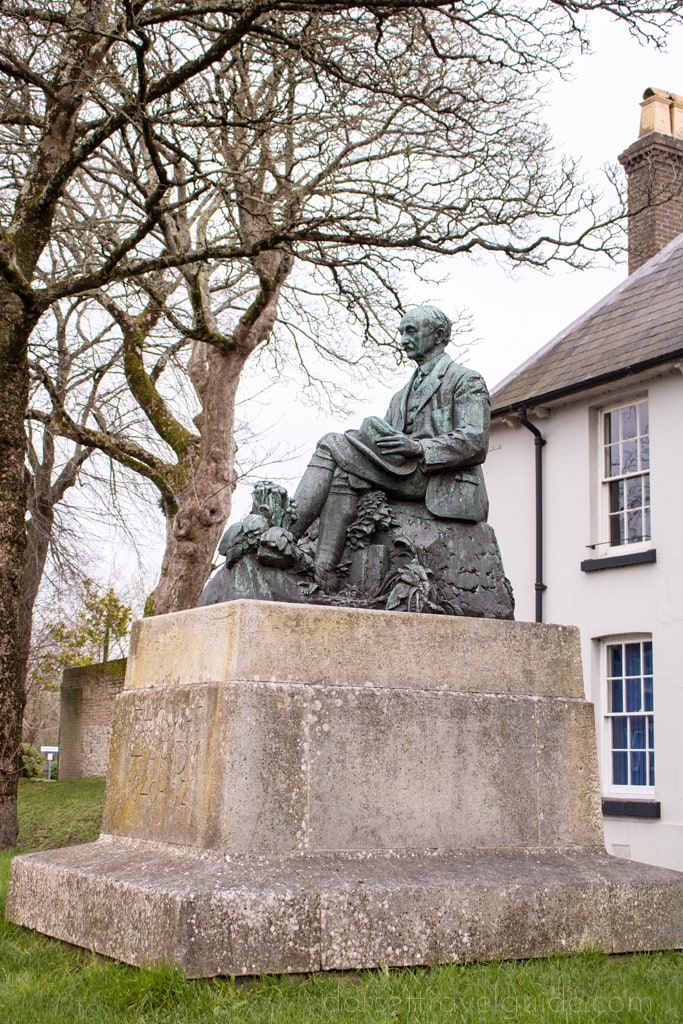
(585, 476)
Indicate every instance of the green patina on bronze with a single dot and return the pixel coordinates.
(392, 515)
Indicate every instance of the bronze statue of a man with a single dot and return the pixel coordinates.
(429, 447)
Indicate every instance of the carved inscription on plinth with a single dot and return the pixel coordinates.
(164, 765)
(216, 766)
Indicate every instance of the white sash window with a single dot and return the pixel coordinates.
(626, 473)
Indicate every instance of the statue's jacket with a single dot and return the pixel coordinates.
(451, 419)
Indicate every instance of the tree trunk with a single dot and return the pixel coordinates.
(208, 480)
(39, 533)
(15, 387)
(44, 495)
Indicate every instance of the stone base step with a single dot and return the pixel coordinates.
(144, 902)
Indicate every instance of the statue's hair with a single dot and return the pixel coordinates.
(433, 317)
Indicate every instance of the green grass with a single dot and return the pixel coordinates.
(47, 982)
(59, 813)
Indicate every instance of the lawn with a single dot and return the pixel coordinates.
(47, 982)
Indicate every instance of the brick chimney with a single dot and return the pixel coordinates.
(654, 170)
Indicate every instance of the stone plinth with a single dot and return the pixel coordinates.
(296, 788)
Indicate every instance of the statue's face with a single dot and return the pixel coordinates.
(419, 340)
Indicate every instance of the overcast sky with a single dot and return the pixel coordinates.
(595, 116)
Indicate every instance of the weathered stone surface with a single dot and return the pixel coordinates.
(216, 767)
(274, 768)
(260, 641)
(299, 804)
(143, 903)
(569, 778)
(424, 770)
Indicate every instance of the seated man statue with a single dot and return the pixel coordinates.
(428, 448)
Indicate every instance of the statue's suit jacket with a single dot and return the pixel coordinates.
(452, 421)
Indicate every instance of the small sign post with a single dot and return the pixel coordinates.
(49, 754)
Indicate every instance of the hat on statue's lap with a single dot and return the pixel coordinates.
(365, 440)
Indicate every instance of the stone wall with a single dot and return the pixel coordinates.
(88, 695)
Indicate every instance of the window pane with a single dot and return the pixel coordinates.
(616, 530)
(643, 418)
(638, 769)
(612, 426)
(650, 732)
(634, 492)
(647, 658)
(634, 526)
(647, 527)
(629, 457)
(615, 660)
(645, 453)
(648, 703)
(620, 768)
(617, 695)
(632, 659)
(612, 460)
(629, 421)
(637, 723)
(619, 732)
(633, 695)
(651, 758)
(616, 496)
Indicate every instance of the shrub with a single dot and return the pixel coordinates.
(33, 761)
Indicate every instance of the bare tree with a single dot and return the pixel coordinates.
(324, 167)
(53, 464)
(88, 87)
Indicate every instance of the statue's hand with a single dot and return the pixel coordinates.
(400, 444)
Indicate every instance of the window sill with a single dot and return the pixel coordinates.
(616, 561)
(615, 808)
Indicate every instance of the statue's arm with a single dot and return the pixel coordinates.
(394, 416)
(460, 426)
(399, 443)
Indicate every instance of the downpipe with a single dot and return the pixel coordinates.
(539, 444)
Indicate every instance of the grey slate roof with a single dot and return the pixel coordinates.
(637, 325)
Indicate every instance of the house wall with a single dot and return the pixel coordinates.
(637, 599)
(509, 475)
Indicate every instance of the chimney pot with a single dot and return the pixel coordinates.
(661, 112)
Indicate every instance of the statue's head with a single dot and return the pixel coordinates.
(424, 330)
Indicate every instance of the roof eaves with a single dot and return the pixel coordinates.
(588, 384)
(640, 275)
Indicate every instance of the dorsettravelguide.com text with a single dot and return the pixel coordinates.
(563, 1005)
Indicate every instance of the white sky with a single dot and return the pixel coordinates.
(595, 117)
